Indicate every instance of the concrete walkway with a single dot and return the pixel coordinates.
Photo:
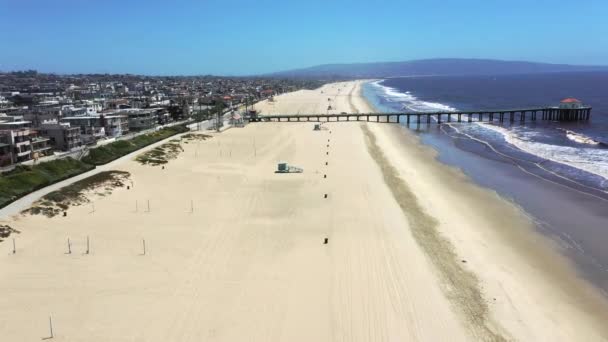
(27, 200)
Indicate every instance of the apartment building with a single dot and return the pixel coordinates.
(62, 136)
(25, 143)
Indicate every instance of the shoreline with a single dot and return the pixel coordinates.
(465, 292)
(543, 252)
(569, 216)
(527, 257)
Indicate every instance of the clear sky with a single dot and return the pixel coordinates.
(249, 37)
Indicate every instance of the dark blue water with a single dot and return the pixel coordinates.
(575, 152)
(515, 91)
(557, 172)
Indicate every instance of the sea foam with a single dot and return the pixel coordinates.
(592, 160)
(580, 138)
(410, 102)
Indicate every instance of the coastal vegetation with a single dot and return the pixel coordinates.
(193, 136)
(6, 231)
(58, 201)
(162, 154)
(74, 194)
(462, 286)
(107, 153)
(24, 179)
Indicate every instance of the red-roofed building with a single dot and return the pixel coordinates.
(570, 100)
(570, 103)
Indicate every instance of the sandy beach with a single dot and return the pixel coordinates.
(235, 251)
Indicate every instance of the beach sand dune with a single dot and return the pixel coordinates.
(235, 251)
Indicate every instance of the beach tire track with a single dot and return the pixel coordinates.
(460, 285)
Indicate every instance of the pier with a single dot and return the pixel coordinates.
(513, 115)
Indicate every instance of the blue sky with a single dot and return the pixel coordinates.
(249, 37)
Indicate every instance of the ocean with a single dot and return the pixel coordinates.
(557, 172)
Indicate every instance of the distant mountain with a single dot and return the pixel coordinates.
(446, 66)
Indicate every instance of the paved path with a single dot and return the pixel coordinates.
(26, 201)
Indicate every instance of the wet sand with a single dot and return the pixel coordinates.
(570, 215)
(531, 290)
(235, 251)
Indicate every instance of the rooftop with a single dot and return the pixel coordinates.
(14, 123)
(570, 100)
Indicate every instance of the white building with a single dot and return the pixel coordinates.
(97, 126)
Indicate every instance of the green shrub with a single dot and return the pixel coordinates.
(55, 202)
(105, 154)
(25, 179)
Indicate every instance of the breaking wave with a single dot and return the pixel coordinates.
(410, 102)
(581, 138)
(593, 158)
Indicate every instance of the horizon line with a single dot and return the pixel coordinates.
(269, 74)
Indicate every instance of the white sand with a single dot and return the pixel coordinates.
(249, 263)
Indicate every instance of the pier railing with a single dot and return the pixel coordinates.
(512, 115)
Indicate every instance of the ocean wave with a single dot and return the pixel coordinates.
(580, 138)
(592, 160)
(409, 101)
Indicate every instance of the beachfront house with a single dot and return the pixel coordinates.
(17, 135)
(62, 136)
(115, 125)
(25, 143)
(163, 116)
(40, 145)
(90, 127)
(97, 126)
(141, 119)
